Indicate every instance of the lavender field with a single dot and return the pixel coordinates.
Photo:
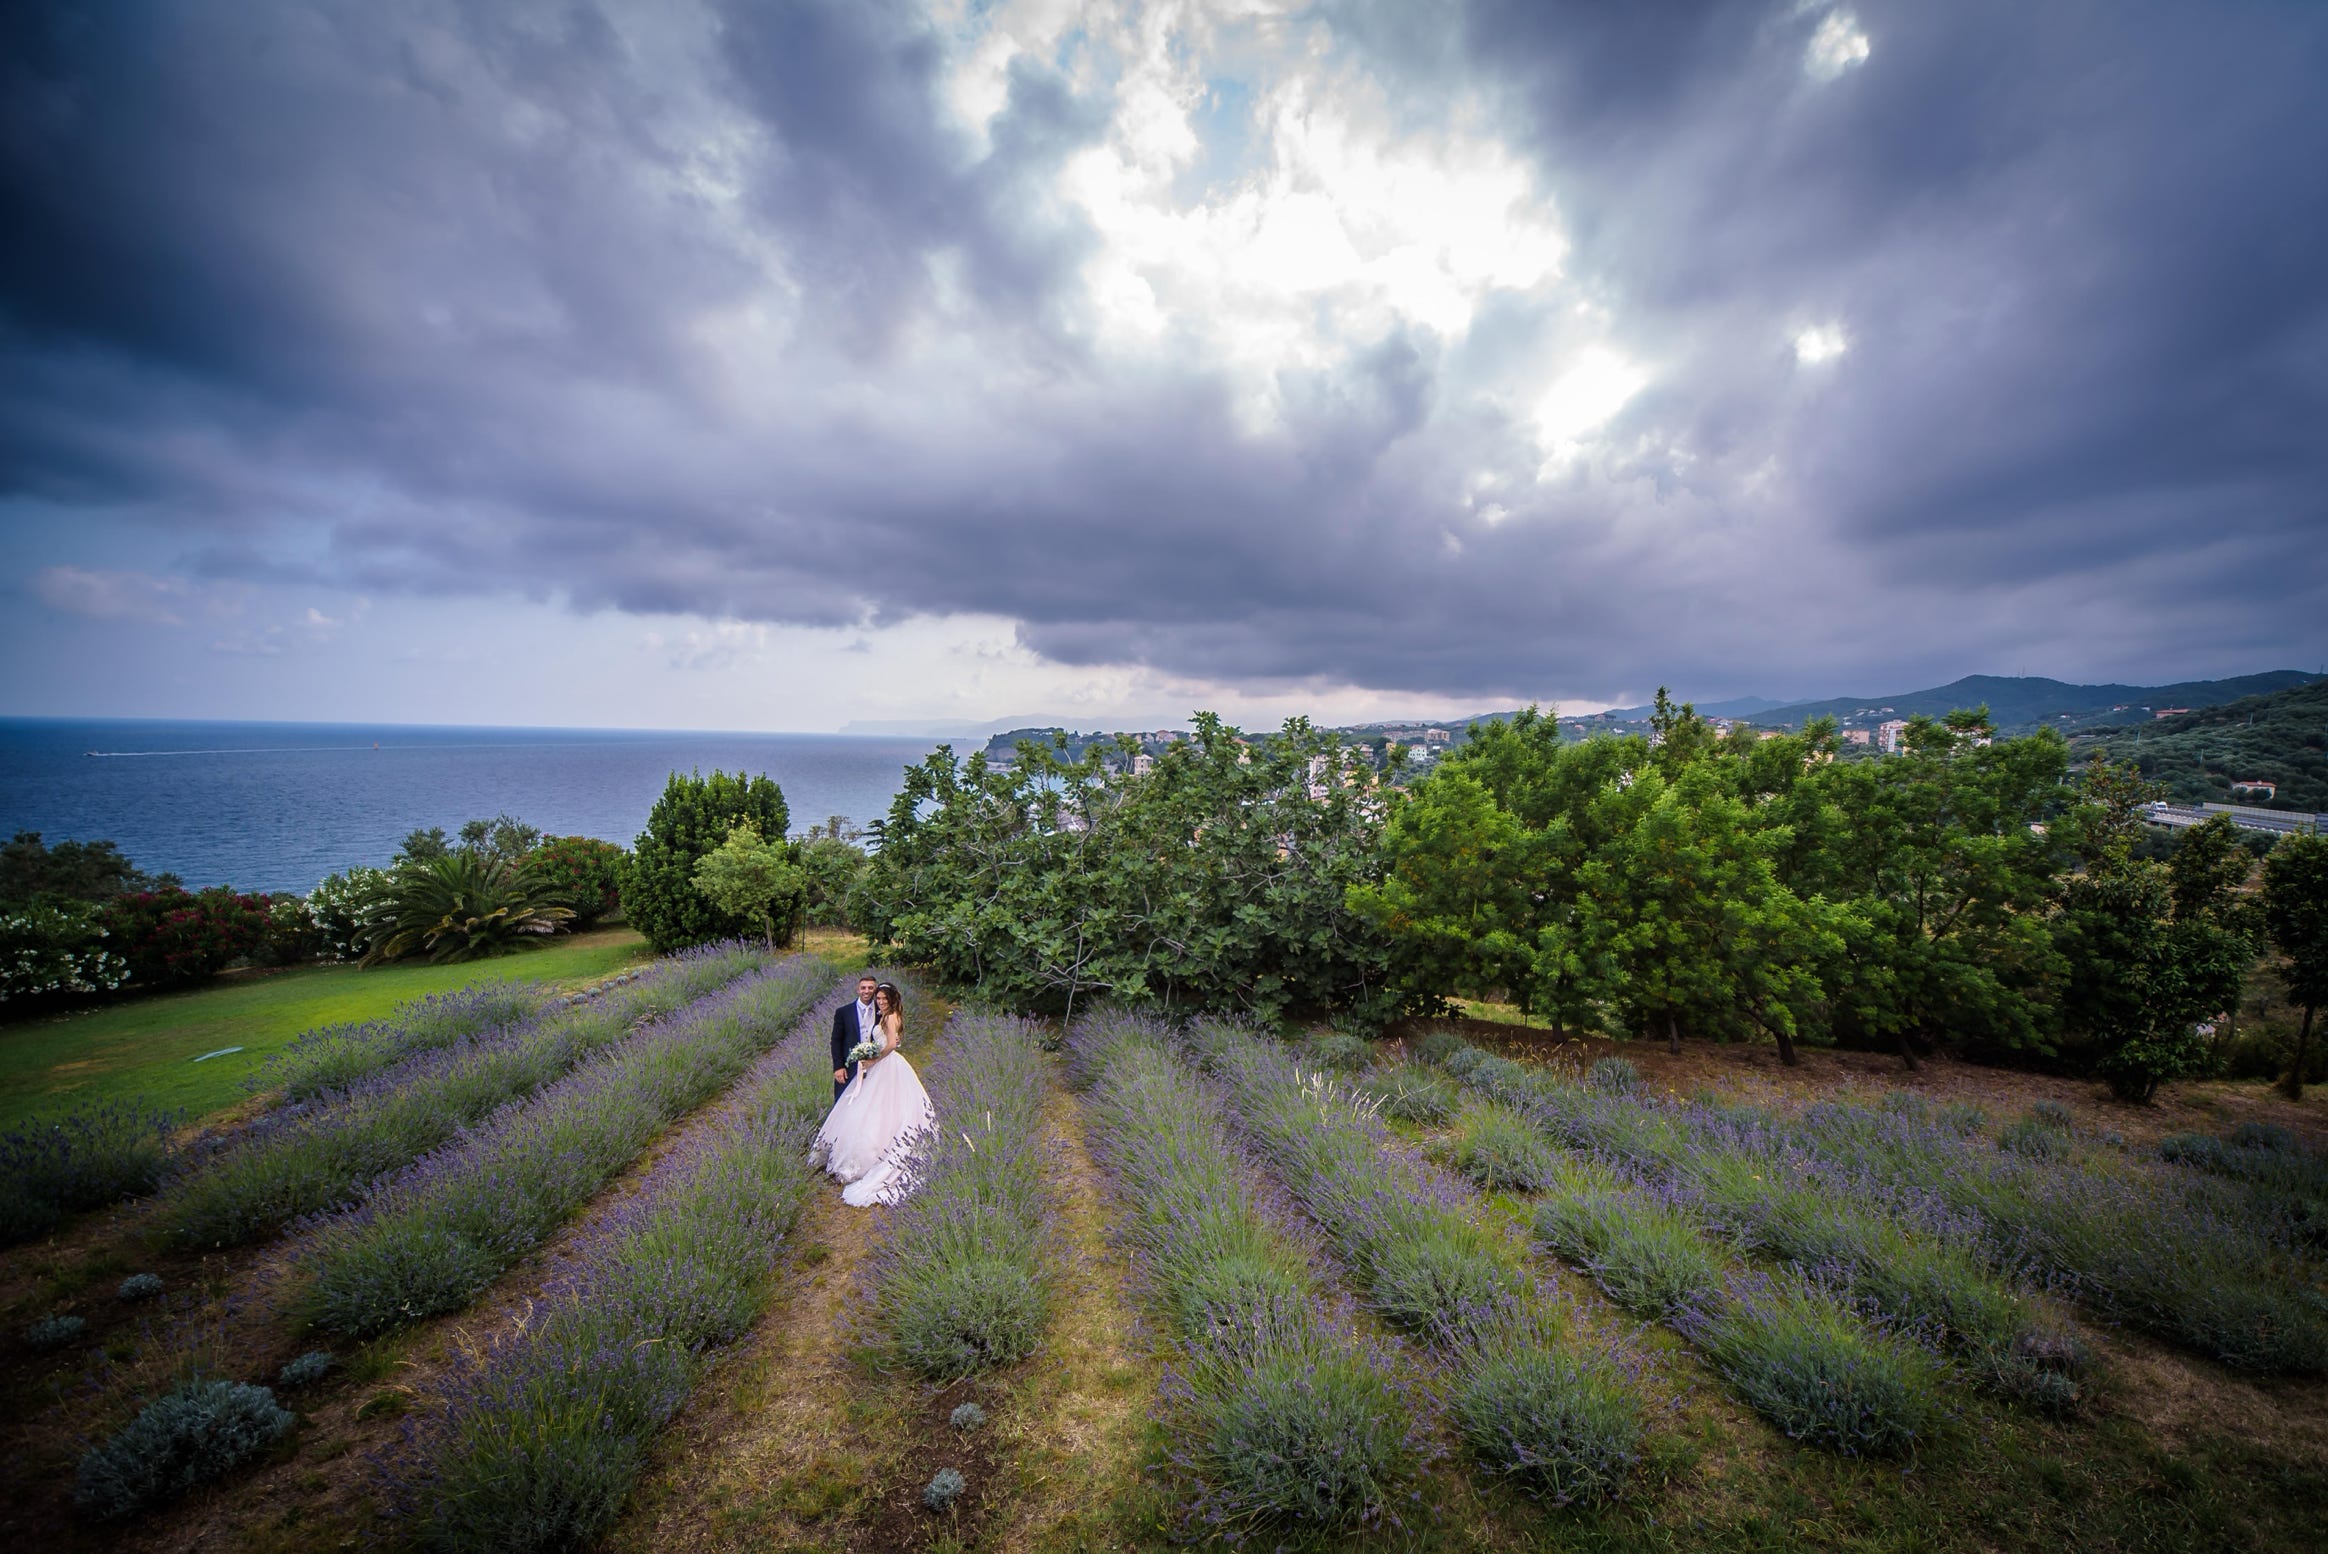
(515, 1273)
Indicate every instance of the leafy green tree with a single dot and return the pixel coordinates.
(1678, 734)
(2218, 925)
(1216, 882)
(458, 907)
(2140, 980)
(1945, 861)
(2295, 912)
(422, 845)
(694, 816)
(750, 876)
(1682, 920)
(1481, 859)
(72, 871)
(830, 869)
(504, 837)
(1454, 900)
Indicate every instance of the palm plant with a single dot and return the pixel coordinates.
(457, 907)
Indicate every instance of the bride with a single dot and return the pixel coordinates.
(868, 1138)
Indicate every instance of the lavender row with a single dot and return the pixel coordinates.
(1532, 1402)
(1279, 1417)
(1789, 1343)
(959, 1272)
(1766, 1197)
(535, 1441)
(434, 1239)
(2178, 1264)
(93, 1155)
(308, 1160)
(334, 1057)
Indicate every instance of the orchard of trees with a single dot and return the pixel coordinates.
(1682, 885)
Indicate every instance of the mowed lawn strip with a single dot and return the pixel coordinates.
(533, 1441)
(459, 1217)
(144, 1049)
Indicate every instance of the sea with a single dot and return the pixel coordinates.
(277, 806)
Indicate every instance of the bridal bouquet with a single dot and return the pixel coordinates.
(864, 1052)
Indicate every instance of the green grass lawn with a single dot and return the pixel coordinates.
(146, 1048)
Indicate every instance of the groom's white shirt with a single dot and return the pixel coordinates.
(864, 1021)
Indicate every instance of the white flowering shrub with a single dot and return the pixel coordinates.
(48, 950)
(337, 906)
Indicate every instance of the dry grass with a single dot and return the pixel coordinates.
(1078, 1423)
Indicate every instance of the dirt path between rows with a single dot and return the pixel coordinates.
(1076, 1431)
(796, 1441)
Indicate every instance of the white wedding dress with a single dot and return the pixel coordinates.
(869, 1138)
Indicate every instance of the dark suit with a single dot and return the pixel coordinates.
(845, 1037)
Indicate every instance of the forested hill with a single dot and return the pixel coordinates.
(2281, 738)
(2018, 703)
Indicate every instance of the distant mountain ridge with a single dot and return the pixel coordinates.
(2270, 751)
(2023, 702)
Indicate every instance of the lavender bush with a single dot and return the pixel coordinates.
(943, 1489)
(335, 1057)
(1420, 1257)
(305, 1370)
(2254, 1152)
(535, 1442)
(958, 1271)
(84, 1159)
(1615, 1076)
(1278, 1418)
(1645, 1254)
(1496, 1148)
(54, 1331)
(196, 1432)
(297, 1163)
(1798, 1359)
(449, 1226)
(2034, 1137)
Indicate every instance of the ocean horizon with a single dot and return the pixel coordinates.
(277, 806)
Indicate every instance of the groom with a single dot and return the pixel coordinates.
(852, 1023)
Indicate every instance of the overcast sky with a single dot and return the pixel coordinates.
(780, 366)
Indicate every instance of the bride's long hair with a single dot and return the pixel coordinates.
(896, 999)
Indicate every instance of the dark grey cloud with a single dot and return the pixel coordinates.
(679, 309)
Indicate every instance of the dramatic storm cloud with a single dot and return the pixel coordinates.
(966, 359)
